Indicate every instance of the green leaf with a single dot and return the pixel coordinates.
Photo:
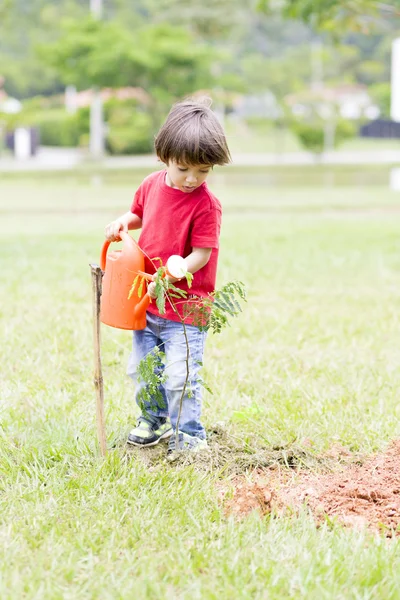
(133, 287)
(140, 289)
(189, 278)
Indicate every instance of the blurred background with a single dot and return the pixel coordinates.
(293, 83)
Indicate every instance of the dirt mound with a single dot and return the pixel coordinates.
(359, 495)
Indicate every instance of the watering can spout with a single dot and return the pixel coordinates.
(139, 312)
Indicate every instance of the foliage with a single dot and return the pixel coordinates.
(56, 126)
(209, 20)
(130, 129)
(360, 15)
(344, 130)
(209, 313)
(381, 94)
(225, 304)
(174, 64)
(150, 371)
(280, 75)
(23, 25)
(156, 57)
(163, 59)
(136, 138)
(214, 311)
(312, 134)
(88, 51)
(163, 288)
(26, 77)
(244, 52)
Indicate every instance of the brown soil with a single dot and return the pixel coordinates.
(359, 495)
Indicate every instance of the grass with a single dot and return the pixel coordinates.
(314, 357)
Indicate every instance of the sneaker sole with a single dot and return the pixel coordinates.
(164, 436)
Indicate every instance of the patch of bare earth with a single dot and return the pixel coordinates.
(358, 495)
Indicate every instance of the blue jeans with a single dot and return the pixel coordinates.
(169, 337)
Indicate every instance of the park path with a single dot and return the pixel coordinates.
(60, 159)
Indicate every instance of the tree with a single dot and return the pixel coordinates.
(334, 15)
(207, 20)
(23, 25)
(209, 313)
(163, 59)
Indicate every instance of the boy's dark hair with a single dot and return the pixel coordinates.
(192, 135)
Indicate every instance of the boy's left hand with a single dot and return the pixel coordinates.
(151, 287)
(151, 290)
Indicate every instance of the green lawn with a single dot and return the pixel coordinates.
(314, 356)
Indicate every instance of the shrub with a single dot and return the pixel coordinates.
(130, 129)
(312, 134)
(344, 130)
(58, 128)
(380, 93)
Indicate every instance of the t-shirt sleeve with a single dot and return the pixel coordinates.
(206, 229)
(137, 204)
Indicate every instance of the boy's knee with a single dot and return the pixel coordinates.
(176, 375)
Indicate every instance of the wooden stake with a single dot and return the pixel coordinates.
(97, 275)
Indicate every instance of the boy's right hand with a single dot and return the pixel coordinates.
(112, 230)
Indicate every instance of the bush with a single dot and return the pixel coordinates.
(344, 130)
(130, 129)
(381, 93)
(312, 134)
(58, 128)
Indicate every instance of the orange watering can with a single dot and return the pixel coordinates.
(120, 269)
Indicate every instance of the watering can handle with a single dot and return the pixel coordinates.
(124, 236)
(103, 255)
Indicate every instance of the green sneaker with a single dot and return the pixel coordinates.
(148, 434)
(187, 442)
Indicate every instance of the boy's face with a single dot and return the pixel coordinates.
(186, 177)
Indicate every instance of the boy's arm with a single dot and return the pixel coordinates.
(197, 259)
(125, 222)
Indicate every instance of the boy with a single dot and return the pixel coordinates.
(178, 215)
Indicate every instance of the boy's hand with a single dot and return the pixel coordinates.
(151, 290)
(112, 230)
(151, 287)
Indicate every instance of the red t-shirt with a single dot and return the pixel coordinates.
(174, 222)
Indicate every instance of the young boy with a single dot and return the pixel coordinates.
(178, 215)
